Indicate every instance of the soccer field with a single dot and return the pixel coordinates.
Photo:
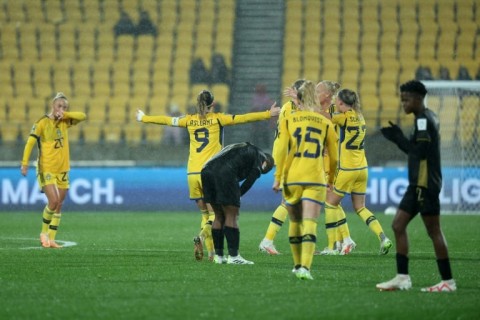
(140, 265)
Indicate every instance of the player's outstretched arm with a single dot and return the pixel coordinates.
(162, 120)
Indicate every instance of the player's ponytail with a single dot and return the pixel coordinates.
(204, 99)
(350, 98)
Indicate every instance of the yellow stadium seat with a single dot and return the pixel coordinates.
(153, 133)
(143, 46)
(16, 112)
(75, 133)
(67, 41)
(112, 133)
(158, 104)
(28, 42)
(47, 42)
(9, 44)
(10, 132)
(448, 120)
(468, 119)
(91, 131)
(133, 133)
(433, 103)
(221, 93)
(160, 89)
(97, 110)
(124, 48)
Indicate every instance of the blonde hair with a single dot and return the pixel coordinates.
(332, 86)
(307, 97)
(59, 95)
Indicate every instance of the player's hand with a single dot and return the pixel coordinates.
(276, 186)
(290, 93)
(140, 115)
(24, 170)
(274, 110)
(58, 115)
(392, 133)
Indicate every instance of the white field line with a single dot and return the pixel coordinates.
(64, 243)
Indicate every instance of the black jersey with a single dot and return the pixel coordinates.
(424, 163)
(241, 160)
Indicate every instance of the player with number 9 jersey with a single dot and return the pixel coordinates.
(205, 130)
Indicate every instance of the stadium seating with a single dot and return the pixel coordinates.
(70, 47)
(396, 37)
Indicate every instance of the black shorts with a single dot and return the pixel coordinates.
(220, 187)
(418, 199)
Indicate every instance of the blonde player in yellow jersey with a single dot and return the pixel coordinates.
(336, 225)
(280, 214)
(53, 164)
(303, 135)
(205, 130)
(352, 174)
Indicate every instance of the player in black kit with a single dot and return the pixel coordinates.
(422, 194)
(221, 177)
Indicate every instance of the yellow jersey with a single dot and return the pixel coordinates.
(206, 133)
(51, 137)
(352, 140)
(302, 138)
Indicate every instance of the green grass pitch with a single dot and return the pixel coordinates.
(140, 265)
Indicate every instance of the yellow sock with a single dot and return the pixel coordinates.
(331, 224)
(204, 220)
(278, 218)
(371, 221)
(342, 223)
(309, 240)
(211, 217)
(52, 229)
(295, 239)
(47, 218)
(209, 238)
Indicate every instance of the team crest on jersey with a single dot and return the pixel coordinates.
(422, 124)
(48, 177)
(59, 133)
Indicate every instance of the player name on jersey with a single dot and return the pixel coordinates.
(200, 122)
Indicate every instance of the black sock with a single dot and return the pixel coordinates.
(218, 241)
(233, 240)
(444, 268)
(402, 264)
